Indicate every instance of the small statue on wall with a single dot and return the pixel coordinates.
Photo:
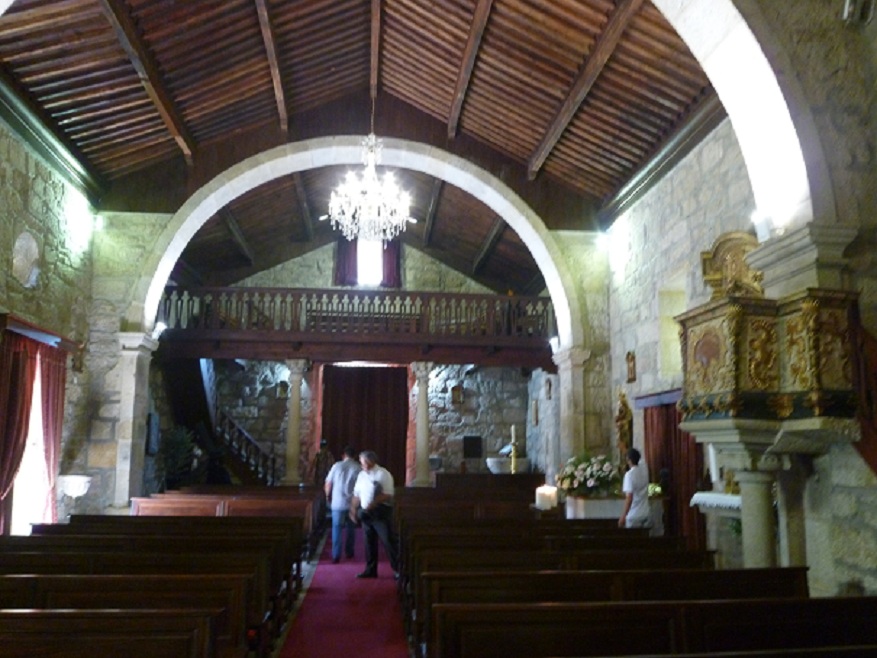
(630, 357)
(624, 424)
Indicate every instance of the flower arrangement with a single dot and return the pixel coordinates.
(589, 476)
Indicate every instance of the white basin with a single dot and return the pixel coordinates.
(504, 465)
(74, 486)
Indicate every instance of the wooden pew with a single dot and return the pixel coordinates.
(233, 505)
(286, 532)
(540, 630)
(621, 585)
(225, 593)
(169, 633)
(263, 624)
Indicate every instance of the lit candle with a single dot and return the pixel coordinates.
(542, 501)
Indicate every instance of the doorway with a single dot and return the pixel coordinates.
(367, 408)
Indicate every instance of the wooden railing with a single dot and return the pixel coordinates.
(259, 462)
(305, 312)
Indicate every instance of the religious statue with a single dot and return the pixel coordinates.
(630, 358)
(624, 424)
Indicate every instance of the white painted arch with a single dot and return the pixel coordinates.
(749, 89)
(401, 154)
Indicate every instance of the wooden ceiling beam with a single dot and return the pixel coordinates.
(302, 196)
(129, 38)
(479, 22)
(375, 46)
(237, 235)
(489, 244)
(184, 274)
(602, 51)
(429, 221)
(271, 51)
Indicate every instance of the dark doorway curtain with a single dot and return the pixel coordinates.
(392, 267)
(368, 409)
(675, 459)
(53, 369)
(345, 262)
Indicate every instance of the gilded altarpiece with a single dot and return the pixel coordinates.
(747, 357)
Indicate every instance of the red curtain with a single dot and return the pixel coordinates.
(53, 369)
(675, 459)
(345, 262)
(368, 409)
(864, 358)
(392, 277)
(18, 363)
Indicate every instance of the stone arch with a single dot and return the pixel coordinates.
(723, 42)
(402, 154)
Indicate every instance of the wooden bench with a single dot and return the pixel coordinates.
(231, 505)
(169, 633)
(254, 563)
(223, 592)
(622, 585)
(540, 630)
(284, 535)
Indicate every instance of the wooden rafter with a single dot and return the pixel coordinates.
(429, 220)
(479, 22)
(302, 196)
(186, 275)
(237, 235)
(375, 46)
(271, 51)
(489, 244)
(129, 38)
(603, 49)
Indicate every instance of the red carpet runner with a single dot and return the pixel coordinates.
(343, 616)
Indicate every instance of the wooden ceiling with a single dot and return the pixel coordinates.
(575, 104)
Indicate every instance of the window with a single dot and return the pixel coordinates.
(31, 495)
(369, 263)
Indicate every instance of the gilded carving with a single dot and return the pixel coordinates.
(762, 354)
(835, 367)
(798, 348)
(725, 269)
(782, 405)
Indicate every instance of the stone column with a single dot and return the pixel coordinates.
(297, 370)
(132, 377)
(571, 440)
(421, 370)
(790, 510)
(759, 544)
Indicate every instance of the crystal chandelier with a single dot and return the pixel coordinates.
(367, 207)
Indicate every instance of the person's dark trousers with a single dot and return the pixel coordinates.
(340, 521)
(378, 524)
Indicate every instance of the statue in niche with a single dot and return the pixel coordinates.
(624, 425)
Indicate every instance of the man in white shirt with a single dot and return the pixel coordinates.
(339, 490)
(372, 502)
(635, 488)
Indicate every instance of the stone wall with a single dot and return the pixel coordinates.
(655, 251)
(315, 270)
(493, 399)
(35, 200)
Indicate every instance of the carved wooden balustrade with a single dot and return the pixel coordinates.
(329, 324)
